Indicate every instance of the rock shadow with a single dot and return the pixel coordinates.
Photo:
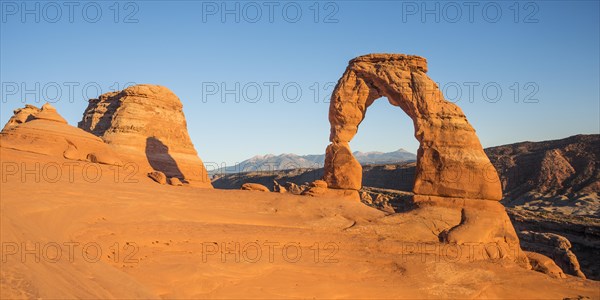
(159, 158)
(105, 121)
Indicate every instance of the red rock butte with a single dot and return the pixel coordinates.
(145, 124)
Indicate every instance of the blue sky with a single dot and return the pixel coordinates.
(547, 52)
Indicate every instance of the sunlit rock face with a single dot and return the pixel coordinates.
(146, 125)
(45, 131)
(451, 161)
(453, 172)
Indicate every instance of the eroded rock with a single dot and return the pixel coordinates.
(175, 181)
(21, 115)
(556, 247)
(319, 183)
(44, 131)
(342, 170)
(450, 159)
(452, 171)
(294, 188)
(255, 187)
(278, 188)
(145, 123)
(158, 176)
(544, 264)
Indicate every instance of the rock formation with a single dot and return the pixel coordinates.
(158, 176)
(556, 247)
(319, 184)
(452, 170)
(255, 187)
(451, 161)
(544, 264)
(175, 181)
(44, 131)
(278, 188)
(569, 212)
(146, 125)
(294, 188)
(21, 115)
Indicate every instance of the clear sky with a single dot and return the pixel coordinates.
(542, 56)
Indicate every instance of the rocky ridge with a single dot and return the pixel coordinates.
(44, 131)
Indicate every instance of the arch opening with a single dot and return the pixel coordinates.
(386, 147)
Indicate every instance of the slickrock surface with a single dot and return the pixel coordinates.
(171, 241)
(146, 125)
(573, 215)
(44, 131)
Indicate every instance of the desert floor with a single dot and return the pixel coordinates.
(119, 239)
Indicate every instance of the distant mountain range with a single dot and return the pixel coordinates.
(548, 171)
(288, 161)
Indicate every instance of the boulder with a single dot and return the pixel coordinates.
(544, 264)
(158, 176)
(254, 187)
(278, 188)
(175, 181)
(293, 188)
(319, 183)
(146, 125)
(554, 246)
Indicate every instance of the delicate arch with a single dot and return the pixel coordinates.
(450, 160)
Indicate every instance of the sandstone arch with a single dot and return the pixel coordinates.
(450, 159)
(453, 177)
